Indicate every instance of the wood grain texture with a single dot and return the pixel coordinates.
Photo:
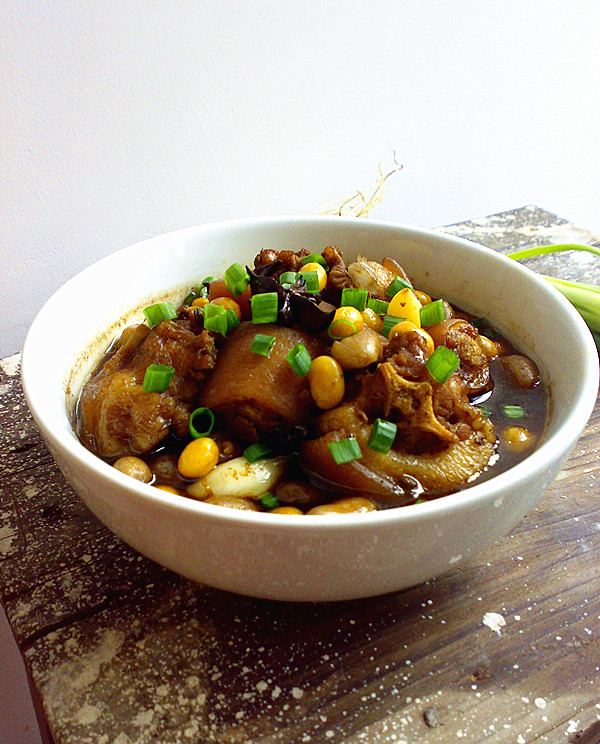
(504, 649)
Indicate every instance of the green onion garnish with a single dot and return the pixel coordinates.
(311, 279)
(157, 378)
(378, 306)
(433, 313)
(161, 311)
(236, 279)
(288, 277)
(345, 450)
(442, 363)
(215, 318)
(256, 452)
(341, 334)
(264, 307)
(269, 501)
(315, 258)
(232, 319)
(207, 425)
(396, 285)
(354, 298)
(388, 323)
(262, 344)
(382, 437)
(514, 412)
(299, 360)
(207, 280)
(485, 409)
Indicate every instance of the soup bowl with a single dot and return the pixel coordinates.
(284, 557)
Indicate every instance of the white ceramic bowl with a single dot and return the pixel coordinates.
(278, 556)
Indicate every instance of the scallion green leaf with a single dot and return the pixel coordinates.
(161, 311)
(315, 258)
(311, 280)
(207, 417)
(352, 297)
(388, 323)
(257, 451)
(288, 277)
(396, 285)
(378, 306)
(215, 318)
(157, 378)
(262, 344)
(382, 436)
(264, 307)
(514, 412)
(236, 279)
(432, 313)
(232, 319)
(269, 501)
(345, 450)
(299, 360)
(442, 363)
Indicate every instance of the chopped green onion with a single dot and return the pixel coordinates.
(378, 306)
(215, 318)
(194, 294)
(262, 344)
(207, 427)
(207, 280)
(315, 258)
(442, 363)
(388, 323)
(485, 409)
(161, 311)
(345, 450)
(236, 279)
(341, 322)
(157, 378)
(232, 319)
(299, 360)
(311, 279)
(288, 277)
(269, 501)
(433, 313)
(256, 452)
(354, 298)
(396, 285)
(514, 412)
(382, 436)
(264, 307)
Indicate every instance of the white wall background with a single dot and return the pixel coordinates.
(122, 119)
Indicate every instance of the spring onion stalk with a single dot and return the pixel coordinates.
(396, 285)
(311, 280)
(288, 277)
(207, 417)
(345, 450)
(157, 378)
(264, 307)
(382, 436)
(442, 363)
(262, 344)
(388, 323)
(432, 313)
(269, 501)
(380, 307)
(584, 297)
(352, 297)
(161, 311)
(215, 318)
(236, 279)
(256, 451)
(514, 412)
(315, 258)
(299, 360)
(232, 319)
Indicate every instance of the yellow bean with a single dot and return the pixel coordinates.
(321, 273)
(351, 505)
(169, 489)
(198, 458)
(134, 467)
(423, 297)
(232, 502)
(406, 328)
(372, 320)
(346, 322)
(326, 382)
(286, 510)
(200, 302)
(405, 304)
(518, 438)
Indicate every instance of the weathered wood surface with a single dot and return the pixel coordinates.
(504, 649)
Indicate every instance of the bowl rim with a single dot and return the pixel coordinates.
(551, 449)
